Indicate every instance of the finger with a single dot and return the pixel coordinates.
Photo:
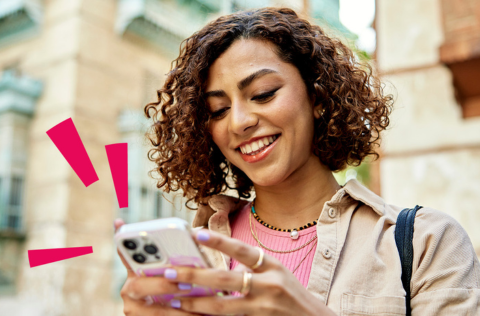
(217, 305)
(234, 248)
(157, 310)
(139, 308)
(241, 267)
(118, 223)
(211, 278)
(128, 299)
(139, 287)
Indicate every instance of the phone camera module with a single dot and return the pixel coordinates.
(139, 258)
(130, 244)
(150, 249)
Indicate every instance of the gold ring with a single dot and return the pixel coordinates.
(260, 259)
(247, 283)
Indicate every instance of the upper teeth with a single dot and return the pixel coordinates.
(257, 145)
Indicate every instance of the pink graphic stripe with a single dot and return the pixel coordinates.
(40, 257)
(65, 136)
(118, 160)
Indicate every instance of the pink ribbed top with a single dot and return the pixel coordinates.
(278, 241)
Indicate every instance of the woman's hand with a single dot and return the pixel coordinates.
(274, 289)
(132, 291)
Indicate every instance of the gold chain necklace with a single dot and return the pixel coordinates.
(305, 257)
(254, 234)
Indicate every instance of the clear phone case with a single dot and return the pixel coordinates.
(153, 246)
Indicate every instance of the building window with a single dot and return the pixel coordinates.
(19, 19)
(15, 207)
(12, 202)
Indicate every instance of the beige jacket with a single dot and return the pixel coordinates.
(356, 269)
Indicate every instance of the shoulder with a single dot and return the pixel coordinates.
(446, 271)
(431, 223)
(444, 256)
(443, 252)
(439, 232)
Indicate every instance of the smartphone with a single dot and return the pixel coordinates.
(151, 247)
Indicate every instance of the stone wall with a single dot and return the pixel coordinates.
(430, 152)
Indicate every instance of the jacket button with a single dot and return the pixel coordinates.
(327, 253)
(332, 213)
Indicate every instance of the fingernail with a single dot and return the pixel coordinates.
(184, 286)
(175, 303)
(170, 274)
(203, 236)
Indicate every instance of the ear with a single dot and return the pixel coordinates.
(318, 111)
(317, 108)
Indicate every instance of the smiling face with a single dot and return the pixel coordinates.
(262, 115)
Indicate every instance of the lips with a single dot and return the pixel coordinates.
(259, 149)
(258, 145)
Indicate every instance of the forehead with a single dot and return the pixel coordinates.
(242, 58)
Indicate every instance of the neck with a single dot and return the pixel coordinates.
(299, 199)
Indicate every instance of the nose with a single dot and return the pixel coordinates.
(242, 117)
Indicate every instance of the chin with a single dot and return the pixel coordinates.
(266, 179)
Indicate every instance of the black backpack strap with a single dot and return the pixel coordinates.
(403, 239)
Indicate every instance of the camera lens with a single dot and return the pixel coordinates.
(151, 249)
(139, 258)
(130, 244)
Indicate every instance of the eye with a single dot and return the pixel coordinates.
(265, 96)
(219, 114)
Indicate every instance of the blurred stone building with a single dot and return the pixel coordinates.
(429, 51)
(97, 62)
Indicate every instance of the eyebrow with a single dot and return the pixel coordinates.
(242, 84)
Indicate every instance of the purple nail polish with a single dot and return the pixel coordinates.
(203, 236)
(184, 286)
(170, 274)
(175, 303)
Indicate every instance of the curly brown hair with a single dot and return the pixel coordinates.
(355, 110)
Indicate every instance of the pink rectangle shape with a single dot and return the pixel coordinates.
(40, 257)
(65, 136)
(118, 160)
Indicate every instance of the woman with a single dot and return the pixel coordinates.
(269, 99)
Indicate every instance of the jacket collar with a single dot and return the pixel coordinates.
(222, 205)
(359, 192)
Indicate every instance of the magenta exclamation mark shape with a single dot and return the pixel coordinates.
(65, 136)
(39, 257)
(118, 160)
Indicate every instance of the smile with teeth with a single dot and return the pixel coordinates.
(257, 146)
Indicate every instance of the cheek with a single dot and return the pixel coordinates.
(295, 112)
(219, 135)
